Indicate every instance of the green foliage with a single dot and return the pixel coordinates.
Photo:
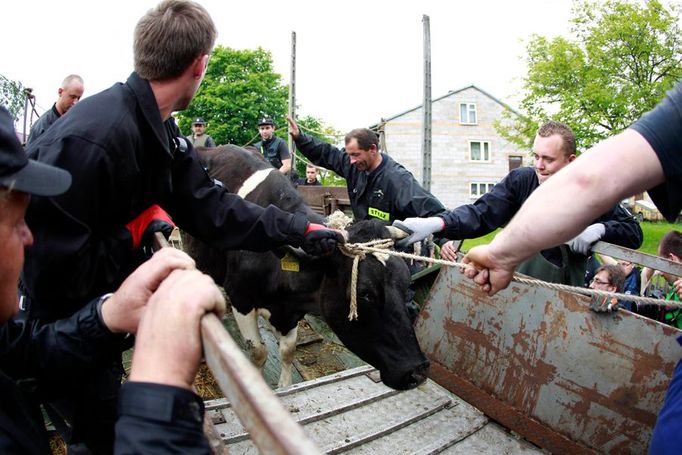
(654, 232)
(623, 57)
(12, 96)
(240, 87)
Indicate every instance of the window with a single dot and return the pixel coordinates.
(467, 113)
(479, 151)
(479, 189)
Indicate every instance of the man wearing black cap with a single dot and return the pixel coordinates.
(42, 360)
(126, 153)
(274, 149)
(198, 137)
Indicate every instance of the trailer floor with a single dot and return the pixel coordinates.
(353, 412)
(344, 408)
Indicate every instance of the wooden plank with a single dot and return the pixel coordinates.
(638, 257)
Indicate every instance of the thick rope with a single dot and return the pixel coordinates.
(354, 250)
(379, 246)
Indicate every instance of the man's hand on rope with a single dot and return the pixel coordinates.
(488, 272)
(142, 229)
(449, 251)
(418, 229)
(320, 240)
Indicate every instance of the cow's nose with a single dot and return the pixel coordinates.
(415, 377)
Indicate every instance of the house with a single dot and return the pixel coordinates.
(468, 156)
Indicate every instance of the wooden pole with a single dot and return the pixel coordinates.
(426, 131)
(292, 98)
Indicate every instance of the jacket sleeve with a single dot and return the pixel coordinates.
(491, 211)
(51, 356)
(323, 154)
(159, 419)
(223, 219)
(414, 201)
(284, 150)
(621, 228)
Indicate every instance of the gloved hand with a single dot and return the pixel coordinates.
(582, 244)
(142, 229)
(320, 240)
(418, 229)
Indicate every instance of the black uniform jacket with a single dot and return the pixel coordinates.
(497, 207)
(124, 158)
(43, 361)
(390, 192)
(274, 150)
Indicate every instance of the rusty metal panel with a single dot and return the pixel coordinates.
(549, 363)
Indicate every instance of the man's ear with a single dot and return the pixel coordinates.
(571, 157)
(199, 66)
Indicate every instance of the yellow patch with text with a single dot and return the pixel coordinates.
(289, 263)
(376, 213)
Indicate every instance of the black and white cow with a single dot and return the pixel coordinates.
(285, 285)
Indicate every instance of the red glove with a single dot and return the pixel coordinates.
(320, 240)
(142, 228)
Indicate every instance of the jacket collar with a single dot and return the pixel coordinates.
(147, 103)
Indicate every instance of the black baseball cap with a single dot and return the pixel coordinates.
(19, 173)
(266, 121)
(198, 121)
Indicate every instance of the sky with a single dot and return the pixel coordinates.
(356, 61)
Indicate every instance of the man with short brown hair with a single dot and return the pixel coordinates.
(378, 186)
(69, 93)
(125, 154)
(553, 150)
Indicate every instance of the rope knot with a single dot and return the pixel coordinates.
(357, 251)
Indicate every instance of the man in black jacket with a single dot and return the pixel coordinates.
(69, 94)
(43, 360)
(378, 187)
(273, 148)
(553, 149)
(125, 154)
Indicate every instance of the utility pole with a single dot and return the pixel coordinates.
(426, 131)
(292, 98)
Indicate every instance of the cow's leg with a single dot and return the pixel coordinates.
(287, 348)
(248, 326)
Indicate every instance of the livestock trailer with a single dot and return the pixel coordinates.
(528, 370)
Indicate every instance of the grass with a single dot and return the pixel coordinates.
(653, 232)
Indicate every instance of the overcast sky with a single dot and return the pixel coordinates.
(357, 61)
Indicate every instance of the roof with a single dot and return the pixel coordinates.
(451, 93)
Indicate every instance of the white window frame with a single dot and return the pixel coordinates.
(470, 109)
(479, 185)
(482, 145)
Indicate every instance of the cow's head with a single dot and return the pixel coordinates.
(382, 335)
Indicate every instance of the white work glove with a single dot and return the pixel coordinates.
(583, 242)
(418, 229)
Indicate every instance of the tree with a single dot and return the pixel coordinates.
(12, 96)
(623, 58)
(240, 87)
